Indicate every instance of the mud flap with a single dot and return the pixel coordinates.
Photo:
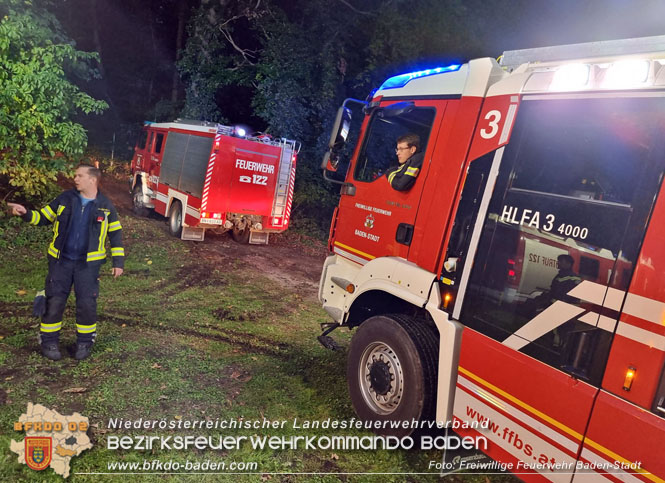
(192, 233)
(258, 237)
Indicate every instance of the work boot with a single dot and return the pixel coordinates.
(83, 350)
(50, 351)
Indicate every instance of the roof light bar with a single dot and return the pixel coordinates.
(626, 73)
(403, 79)
(570, 77)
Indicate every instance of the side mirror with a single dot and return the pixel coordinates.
(340, 130)
(338, 137)
(330, 161)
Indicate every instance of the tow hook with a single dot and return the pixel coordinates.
(327, 341)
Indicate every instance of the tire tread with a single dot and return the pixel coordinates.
(426, 339)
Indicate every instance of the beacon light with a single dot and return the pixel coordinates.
(570, 77)
(403, 79)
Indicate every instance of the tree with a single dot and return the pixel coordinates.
(37, 97)
(301, 58)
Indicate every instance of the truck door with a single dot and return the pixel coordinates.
(574, 189)
(374, 219)
(628, 420)
(141, 150)
(156, 144)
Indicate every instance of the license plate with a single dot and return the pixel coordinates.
(211, 221)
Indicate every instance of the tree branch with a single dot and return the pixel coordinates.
(244, 52)
(355, 9)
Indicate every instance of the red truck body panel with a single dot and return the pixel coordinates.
(218, 177)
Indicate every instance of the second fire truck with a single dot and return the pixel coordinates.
(203, 175)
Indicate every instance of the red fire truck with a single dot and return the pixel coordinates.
(552, 151)
(202, 175)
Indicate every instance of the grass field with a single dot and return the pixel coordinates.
(182, 338)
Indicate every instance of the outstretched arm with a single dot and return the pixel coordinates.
(45, 216)
(17, 210)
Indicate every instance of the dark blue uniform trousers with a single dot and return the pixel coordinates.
(62, 274)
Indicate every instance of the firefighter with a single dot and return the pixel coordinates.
(410, 160)
(565, 280)
(82, 218)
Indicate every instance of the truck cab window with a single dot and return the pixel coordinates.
(378, 151)
(143, 139)
(158, 143)
(569, 207)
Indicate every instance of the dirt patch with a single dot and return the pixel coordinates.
(117, 189)
(291, 265)
(14, 308)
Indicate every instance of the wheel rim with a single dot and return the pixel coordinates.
(381, 378)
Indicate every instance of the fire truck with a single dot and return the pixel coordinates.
(202, 175)
(547, 152)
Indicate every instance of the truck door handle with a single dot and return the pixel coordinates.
(348, 189)
(659, 407)
(404, 234)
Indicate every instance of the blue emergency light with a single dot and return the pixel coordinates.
(402, 79)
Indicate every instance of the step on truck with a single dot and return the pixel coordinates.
(203, 175)
(520, 281)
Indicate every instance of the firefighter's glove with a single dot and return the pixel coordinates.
(39, 304)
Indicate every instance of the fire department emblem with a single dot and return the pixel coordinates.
(37, 452)
(369, 222)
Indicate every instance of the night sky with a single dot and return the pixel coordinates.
(137, 40)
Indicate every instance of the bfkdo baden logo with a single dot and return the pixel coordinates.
(38, 452)
(51, 439)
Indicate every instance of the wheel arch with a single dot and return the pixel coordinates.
(173, 197)
(136, 178)
(383, 285)
(379, 300)
(140, 178)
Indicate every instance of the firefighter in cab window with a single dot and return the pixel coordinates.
(410, 160)
(83, 219)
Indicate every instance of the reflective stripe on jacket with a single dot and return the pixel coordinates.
(404, 176)
(104, 223)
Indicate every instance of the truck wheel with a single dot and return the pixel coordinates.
(241, 236)
(391, 371)
(137, 202)
(175, 219)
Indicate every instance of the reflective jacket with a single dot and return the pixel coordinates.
(403, 176)
(104, 224)
(564, 282)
